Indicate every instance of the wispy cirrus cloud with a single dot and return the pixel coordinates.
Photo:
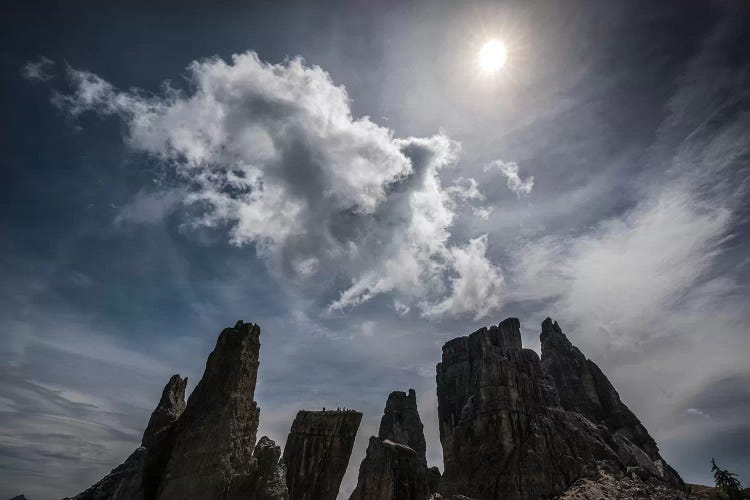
(646, 293)
(148, 207)
(38, 70)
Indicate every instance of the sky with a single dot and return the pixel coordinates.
(347, 177)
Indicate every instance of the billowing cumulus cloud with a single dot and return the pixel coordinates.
(274, 153)
(465, 189)
(478, 286)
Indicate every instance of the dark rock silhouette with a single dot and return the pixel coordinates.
(204, 449)
(125, 482)
(401, 423)
(504, 431)
(170, 407)
(216, 432)
(583, 388)
(512, 426)
(395, 465)
(317, 452)
(391, 470)
(269, 480)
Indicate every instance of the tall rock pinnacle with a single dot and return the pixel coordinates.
(395, 466)
(401, 423)
(216, 433)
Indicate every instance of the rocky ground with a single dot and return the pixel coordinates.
(610, 486)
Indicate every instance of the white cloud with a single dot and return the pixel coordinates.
(519, 186)
(637, 295)
(653, 294)
(465, 189)
(273, 152)
(482, 212)
(695, 412)
(478, 287)
(37, 70)
(401, 308)
(629, 270)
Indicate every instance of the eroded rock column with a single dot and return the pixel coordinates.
(216, 433)
(395, 466)
(317, 453)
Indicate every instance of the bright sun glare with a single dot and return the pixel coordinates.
(492, 56)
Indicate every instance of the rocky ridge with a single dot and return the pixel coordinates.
(517, 427)
(583, 388)
(206, 448)
(513, 426)
(127, 480)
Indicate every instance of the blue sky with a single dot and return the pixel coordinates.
(347, 178)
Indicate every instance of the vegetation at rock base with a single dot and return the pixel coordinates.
(727, 483)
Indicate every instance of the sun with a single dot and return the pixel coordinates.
(492, 56)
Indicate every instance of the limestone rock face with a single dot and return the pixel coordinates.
(583, 388)
(160, 433)
(391, 471)
(512, 426)
(125, 482)
(204, 449)
(170, 407)
(395, 466)
(612, 485)
(317, 453)
(216, 433)
(122, 483)
(401, 423)
(504, 431)
(269, 480)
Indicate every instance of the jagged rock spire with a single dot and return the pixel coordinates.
(215, 435)
(126, 481)
(512, 430)
(170, 407)
(582, 387)
(512, 426)
(401, 423)
(395, 466)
